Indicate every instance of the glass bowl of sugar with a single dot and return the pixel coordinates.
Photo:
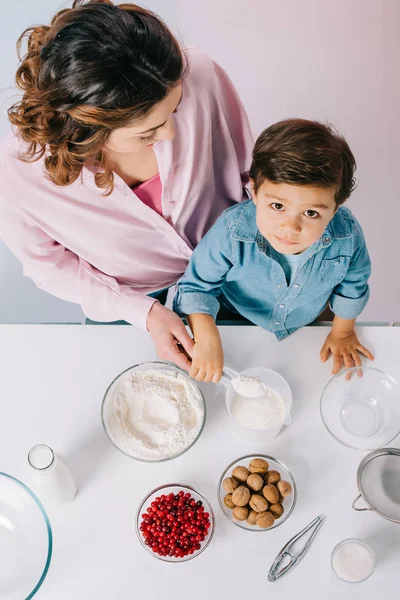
(259, 418)
(153, 412)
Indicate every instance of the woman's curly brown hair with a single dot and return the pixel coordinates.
(95, 68)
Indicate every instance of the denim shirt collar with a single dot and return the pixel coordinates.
(245, 230)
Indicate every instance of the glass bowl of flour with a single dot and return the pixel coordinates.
(153, 412)
(259, 418)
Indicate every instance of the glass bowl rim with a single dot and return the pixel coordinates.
(48, 530)
(271, 458)
(183, 486)
(341, 373)
(166, 364)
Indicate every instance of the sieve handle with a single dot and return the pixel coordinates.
(358, 509)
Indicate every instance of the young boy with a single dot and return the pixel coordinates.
(282, 257)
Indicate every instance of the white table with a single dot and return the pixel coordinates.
(51, 387)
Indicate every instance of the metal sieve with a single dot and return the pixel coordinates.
(378, 479)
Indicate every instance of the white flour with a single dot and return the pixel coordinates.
(250, 387)
(154, 414)
(259, 413)
(352, 562)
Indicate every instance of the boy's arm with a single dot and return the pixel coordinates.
(197, 299)
(208, 355)
(347, 301)
(198, 289)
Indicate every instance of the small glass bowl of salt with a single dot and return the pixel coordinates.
(353, 560)
(259, 418)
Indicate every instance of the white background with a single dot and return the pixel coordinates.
(336, 61)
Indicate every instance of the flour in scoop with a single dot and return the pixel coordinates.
(154, 414)
(261, 412)
(250, 387)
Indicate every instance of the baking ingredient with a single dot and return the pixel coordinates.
(264, 508)
(270, 493)
(229, 502)
(240, 513)
(272, 477)
(265, 520)
(284, 488)
(249, 387)
(353, 561)
(255, 482)
(154, 414)
(175, 525)
(258, 503)
(252, 517)
(241, 496)
(276, 510)
(229, 484)
(258, 465)
(259, 413)
(241, 474)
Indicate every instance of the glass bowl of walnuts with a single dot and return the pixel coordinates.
(257, 492)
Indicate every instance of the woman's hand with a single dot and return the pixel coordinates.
(168, 333)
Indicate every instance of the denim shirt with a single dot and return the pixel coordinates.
(235, 260)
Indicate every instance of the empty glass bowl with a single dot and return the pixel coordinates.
(174, 488)
(360, 407)
(274, 465)
(25, 540)
(121, 439)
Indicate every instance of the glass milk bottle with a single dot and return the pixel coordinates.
(51, 478)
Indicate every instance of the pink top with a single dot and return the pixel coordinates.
(107, 253)
(150, 193)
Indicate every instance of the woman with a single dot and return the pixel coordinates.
(127, 149)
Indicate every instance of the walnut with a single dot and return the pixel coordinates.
(229, 484)
(258, 465)
(240, 513)
(272, 477)
(258, 503)
(276, 510)
(240, 473)
(251, 519)
(255, 482)
(229, 502)
(265, 520)
(241, 496)
(284, 488)
(270, 493)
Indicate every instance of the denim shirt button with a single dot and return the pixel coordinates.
(277, 322)
(281, 306)
(326, 240)
(279, 286)
(336, 263)
(296, 285)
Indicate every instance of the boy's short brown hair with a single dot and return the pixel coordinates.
(302, 152)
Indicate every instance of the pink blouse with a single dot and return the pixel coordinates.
(150, 193)
(108, 253)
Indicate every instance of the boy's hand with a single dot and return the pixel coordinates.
(345, 348)
(208, 356)
(207, 360)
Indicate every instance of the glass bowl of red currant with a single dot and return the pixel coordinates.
(175, 523)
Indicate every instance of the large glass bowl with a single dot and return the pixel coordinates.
(145, 366)
(360, 407)
(174, 488)
(274, 465)
(26, 540)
